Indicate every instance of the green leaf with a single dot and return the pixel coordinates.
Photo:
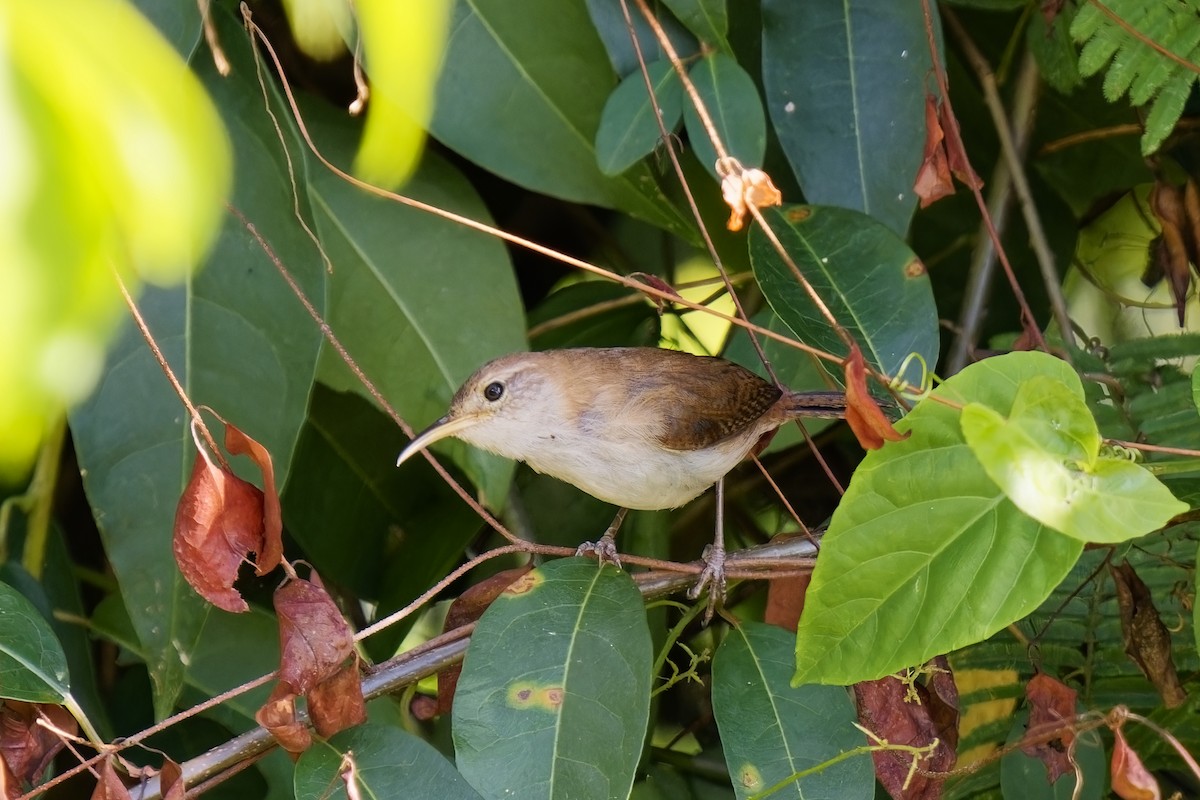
(240, 343)
(609, 19)
(708, 19)
(629, 126)
(1025, 777)
(555, 689)
(444, 294)
(771, 730)
(524, 102)
(33, 666)
(1055, 52)
(1046, 457)
(732, 101)
(925, 554)
(390, 763)
(870, 280)
(844, 84)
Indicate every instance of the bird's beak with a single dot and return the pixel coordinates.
(443, 428)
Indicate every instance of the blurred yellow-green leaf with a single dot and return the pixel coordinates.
(404, 44)
(113, 159)
(321, 27)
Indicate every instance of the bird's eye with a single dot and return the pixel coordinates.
(493, 391)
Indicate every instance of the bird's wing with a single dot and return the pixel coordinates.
(716, 400)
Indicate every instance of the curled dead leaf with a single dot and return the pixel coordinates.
(336, 703)
(1130, 778)
(314, 638)
(270, 553)
(109, 786)
(1049, 735)
(1147, 640)
(28, 748)
(278, 716)
(933, 180)
(745, 188)
(866, 419)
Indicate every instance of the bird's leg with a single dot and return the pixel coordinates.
(713, 574)
(605, 550)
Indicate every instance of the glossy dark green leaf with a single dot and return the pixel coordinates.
(845, 87)
(708, 19)
(870, 280)
(238, 340)
(389, 762)
(732, 101)
(563, 318)
(629, 125)
(524, 101)
(382, 533)
(419, 302)
(555, 689)
(609, 20)
(925, 554)
(771, 730)
(33, 666)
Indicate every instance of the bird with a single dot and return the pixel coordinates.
(641, 428)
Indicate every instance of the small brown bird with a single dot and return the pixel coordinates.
(638, 427)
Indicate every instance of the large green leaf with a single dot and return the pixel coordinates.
(845, 86)
(33, 666)
(524, 101)
(925, 554)
(729, 94)
(389, 763)
(238, 340)
(870, 280)
(608, 17)
(412, 294)
(555, 690)
(629, 125)
(771, 730)
(1046, 457)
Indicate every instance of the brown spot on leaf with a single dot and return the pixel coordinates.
(914, 268)
(750, 777)
(524, 584)
(798, 213)
(552, 697)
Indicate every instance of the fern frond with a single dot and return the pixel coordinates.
(1136, 54)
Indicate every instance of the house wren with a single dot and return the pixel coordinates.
(637, 427)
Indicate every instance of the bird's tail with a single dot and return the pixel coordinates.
(823, 405)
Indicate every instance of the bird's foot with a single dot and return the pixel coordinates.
(713, 577)
(604, 550)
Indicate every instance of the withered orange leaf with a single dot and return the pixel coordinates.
(336, 703)
(1171, 255)
(219, 521)
(170, 781)
(278, 716)
(960, 165)
(314, 639)
(271, 553)
(866, 419)
(785, 601)
(1130, 778)
(745, 188)
(1147, 640)
(933, 180)
(1051, 711)
(27, 747)
(886, 709)
(110, 787)
(467, 608)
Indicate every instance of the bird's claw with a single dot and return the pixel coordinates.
(604, 550)
(713, 577)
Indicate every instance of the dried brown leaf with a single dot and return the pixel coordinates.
(110, 787)
(468, 608)
(933, 180)
(865, 417)
(785, 601)
(278, 716)
(888, 709)
(960, 165)
(314, 639)
(1130, 778)
(1051, 710)
(745, 189)
(170, 781)
(336, 703)
(271, 552)
(218, 522)
(1147, 640)
(27, 747)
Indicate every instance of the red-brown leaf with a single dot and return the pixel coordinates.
(960, 165)
(10, 787)
(218, 522)
(933, 180)
(170, 781)
(468, 608)
(785, 601)
(278, 715)
(27, 747)
(1130, 778)
(1147, 640)
(866, 418)
(271, 552)
(314, 639)
(110, 787)
(336, 703)
(886, 709)
(1051, 710)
